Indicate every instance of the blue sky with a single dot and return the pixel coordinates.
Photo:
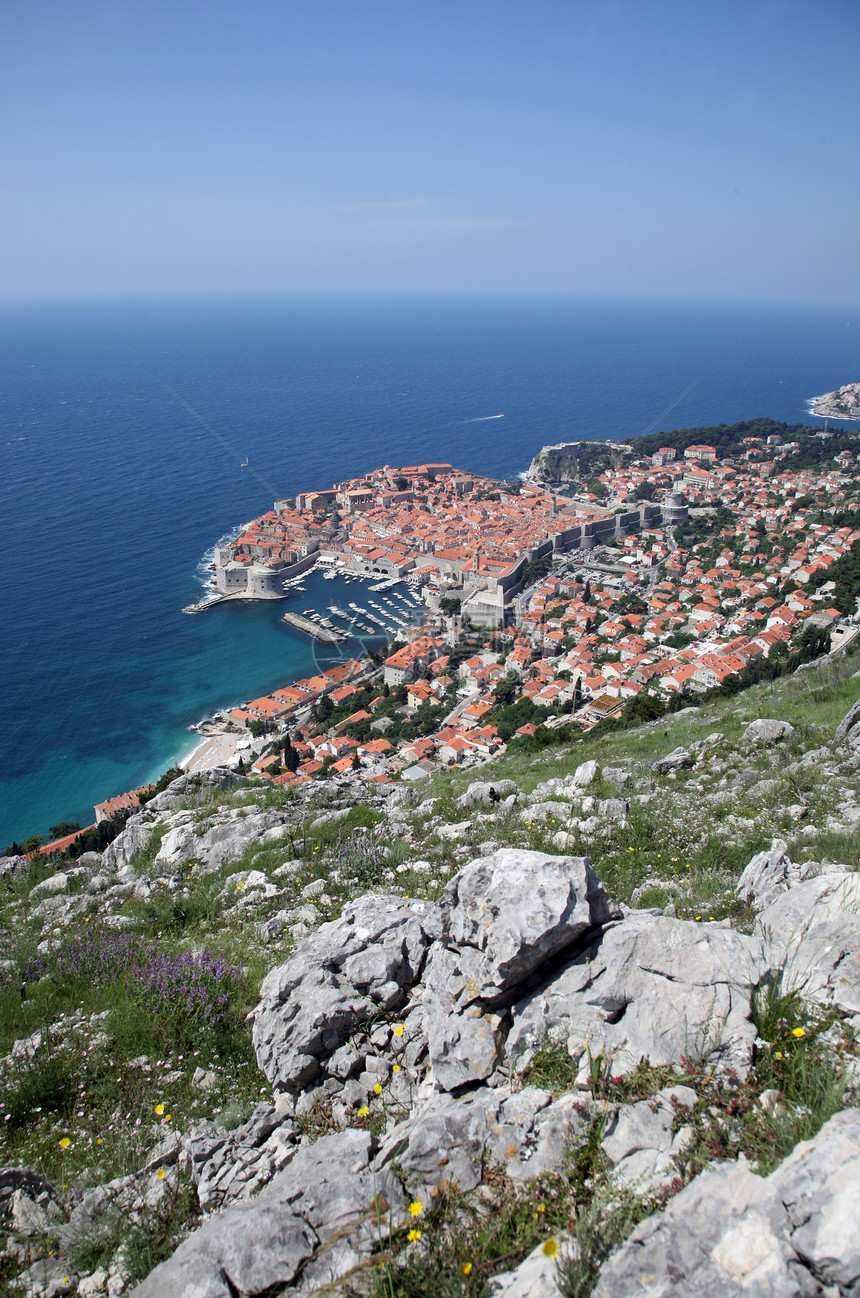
(624, 148)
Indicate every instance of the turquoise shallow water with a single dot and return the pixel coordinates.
(111, 494)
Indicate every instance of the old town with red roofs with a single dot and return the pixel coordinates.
(547, 605)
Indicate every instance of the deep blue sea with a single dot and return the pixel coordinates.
(111, 493)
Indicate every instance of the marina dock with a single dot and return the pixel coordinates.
(313, 629)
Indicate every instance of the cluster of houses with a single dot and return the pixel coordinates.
(652, 616)
(441, 527)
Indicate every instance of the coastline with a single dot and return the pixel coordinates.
(214, 750)
(828, 404)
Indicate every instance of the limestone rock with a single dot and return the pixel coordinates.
(229, 1166)
(652, 988)
(340, 977)
(446, 1141)
(767, 875)
(848, 725)
(732, 1234)
(549, 810)
(612, 809)
(503, 916)
(14, 867)
(812, 939)
(49, 887)
(771, 873)
(28, 1217)
(509, 912)
(764, 731)
(480, 792)
(680, 759)
(639, 1140)
(585, 774)
(535, 1277)
(223, 841)
(316, 1216)
(617, 776)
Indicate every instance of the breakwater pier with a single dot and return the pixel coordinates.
(313, 629)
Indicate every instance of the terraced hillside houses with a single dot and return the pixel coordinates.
(660, 614)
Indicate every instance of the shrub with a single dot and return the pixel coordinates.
(192, 988)
(99, 956)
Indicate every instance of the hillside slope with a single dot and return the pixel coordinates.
(493, 1025)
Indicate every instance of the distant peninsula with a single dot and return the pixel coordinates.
(844, 403)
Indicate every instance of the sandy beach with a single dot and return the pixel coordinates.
(214, 751)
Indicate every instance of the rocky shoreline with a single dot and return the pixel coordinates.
(843, 403)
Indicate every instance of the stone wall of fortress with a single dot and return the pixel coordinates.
(582, 536)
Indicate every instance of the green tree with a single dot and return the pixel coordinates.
(323, 708)
(63, 828)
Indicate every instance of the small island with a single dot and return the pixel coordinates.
(844, 403)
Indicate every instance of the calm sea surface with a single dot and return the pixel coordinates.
(111, 494)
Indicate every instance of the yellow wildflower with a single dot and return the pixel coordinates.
(159, 1109)
(396, 1068)
(467, 1268)
(413, 1235)
(65, 1142)
(398, 1031)
(363, 1111)
(550, 1248)
(416, 1208)
(160, 1174)
(777, 1054)
(377, 1090)
(798, 1032)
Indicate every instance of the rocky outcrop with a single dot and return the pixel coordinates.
(14, 867)
(503, 917)
(811, 935)
(347, 972)
(765, 731)
(731, 1233)
(227, 1166)
(848, 730)
(447, 1139)
(499, 920)
(680, 759)
(317, 1219)
(648, 988)
(427, 1022)
(481, 792)
(523, 946)
(769, 874)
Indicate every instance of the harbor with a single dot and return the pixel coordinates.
(386, 619)
(384, 611)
